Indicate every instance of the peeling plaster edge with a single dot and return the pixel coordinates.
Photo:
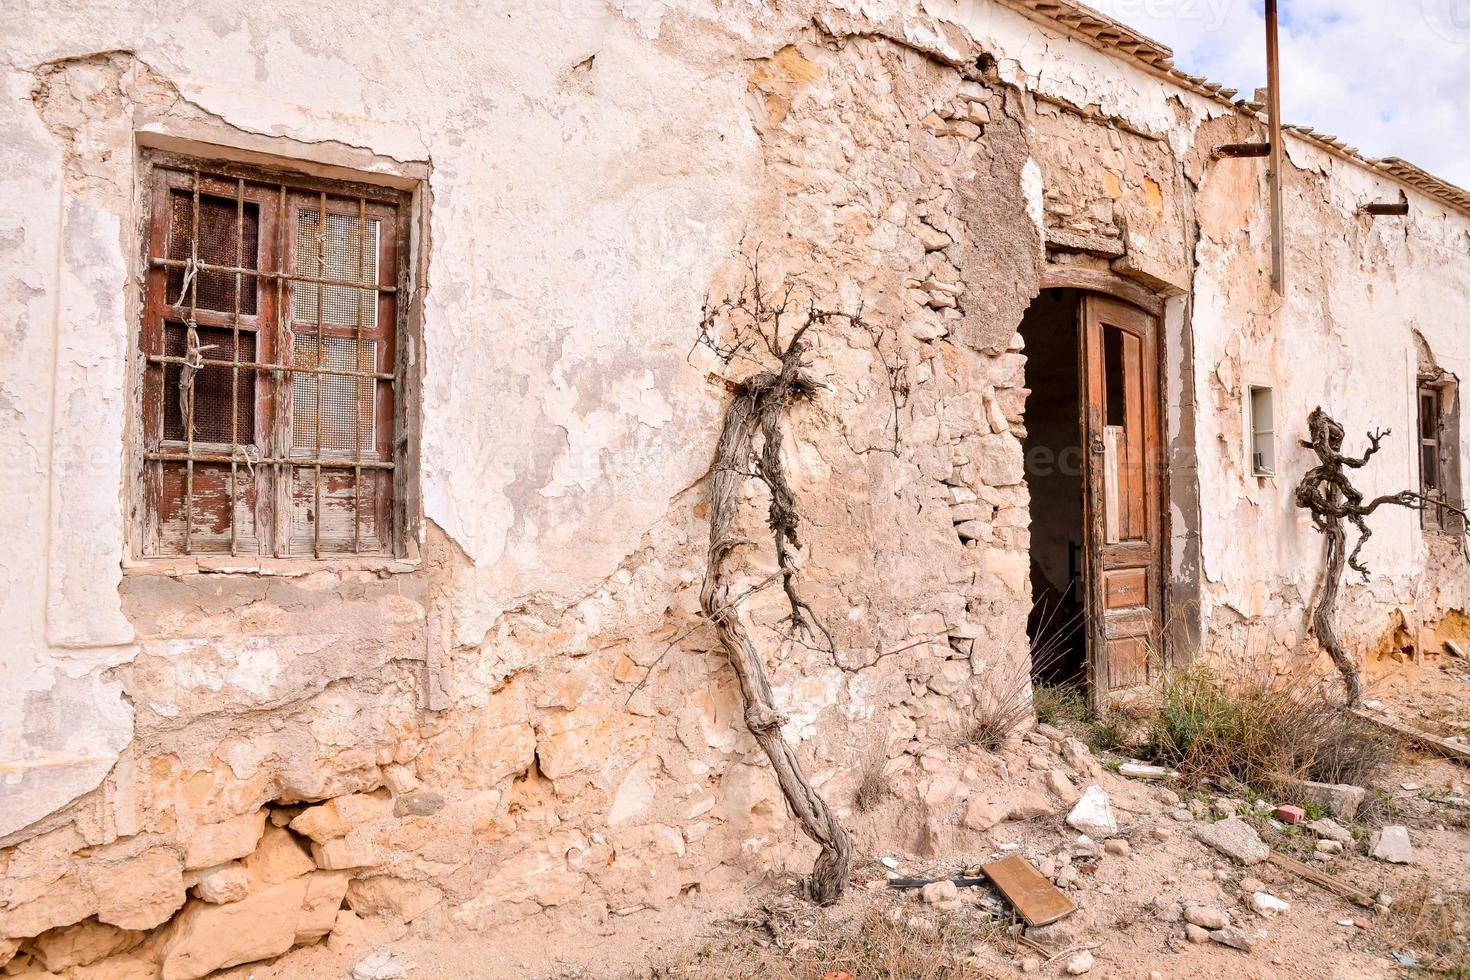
(65, 813)
(196, 103)
(519, 603)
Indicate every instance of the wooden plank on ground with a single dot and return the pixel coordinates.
(911, 883)
(1037, 900)
(1322, 880)
(1453, 750)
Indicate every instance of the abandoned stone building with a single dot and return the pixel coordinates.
(391, 524)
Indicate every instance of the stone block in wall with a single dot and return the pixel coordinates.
(964, 513)
(399, 779)
(998, 459)
(204, 938)
(131, 884)
(534, 877)
(216, 843)
(65, 900)
(483, 747)
(223, 883)
(280, 857)
(340, 853)
(1072, 240)
(977, 531)
(1009, 569)
(635, 792)
(338, 817)
(139, 891)
(386, 895)
(419, 803)
(569, 742)
(1007, 371)
(325, 891)
(83, 944)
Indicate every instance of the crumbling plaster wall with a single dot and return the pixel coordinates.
(1129, 187)
(1359, 289)
(558, 405)
(539, 679)
(521, 677)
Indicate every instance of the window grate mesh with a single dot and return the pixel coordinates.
(211, 387)
(340, 433)
(338, 256)
(217, 226)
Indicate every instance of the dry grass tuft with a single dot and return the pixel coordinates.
(998, 711)
(1004, 694)
(1349, 750)
(1055, 703)
(872, 946)
(1422, 923)
(874, 782)
(1117, 728)
(1261, 732)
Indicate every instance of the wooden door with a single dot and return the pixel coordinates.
(1122, 433)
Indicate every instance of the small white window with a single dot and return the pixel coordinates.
(1262, 431)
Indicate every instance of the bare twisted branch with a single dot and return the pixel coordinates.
(1330, 497)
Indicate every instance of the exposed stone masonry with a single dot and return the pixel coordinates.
(530, 728)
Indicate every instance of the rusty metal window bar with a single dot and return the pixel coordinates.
(270, 365)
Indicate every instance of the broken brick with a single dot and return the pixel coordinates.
(1290, 814)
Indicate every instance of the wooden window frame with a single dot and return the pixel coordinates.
(1432, 516)
(278, 481)
(1261, 441)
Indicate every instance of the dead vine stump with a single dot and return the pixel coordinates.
(1330, 497)
(749, 327)
(759, 407)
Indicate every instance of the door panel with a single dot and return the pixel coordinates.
(1125, 588)
(1122, 430)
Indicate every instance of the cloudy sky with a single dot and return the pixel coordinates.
(1391, 77)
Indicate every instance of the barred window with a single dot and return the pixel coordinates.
(272, 381)
(1439, 470)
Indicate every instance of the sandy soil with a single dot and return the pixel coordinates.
(1127, 903)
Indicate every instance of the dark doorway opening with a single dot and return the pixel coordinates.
(1056, 626)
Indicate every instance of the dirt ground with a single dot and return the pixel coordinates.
(1129, 903)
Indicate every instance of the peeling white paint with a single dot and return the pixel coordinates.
(588, 178)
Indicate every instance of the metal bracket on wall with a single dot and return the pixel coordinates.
(1239, 150)
(1386, 209)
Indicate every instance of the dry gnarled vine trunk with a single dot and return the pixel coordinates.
(752, 329)
(1331, 498)
(759, 405)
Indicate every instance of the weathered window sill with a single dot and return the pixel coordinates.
(284, 567)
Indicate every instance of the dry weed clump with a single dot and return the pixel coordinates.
(1263, 732)
(1432, 926)
(1005, 695)
(998, 711)
(1118, 728)
(872, 946)
(1055, 703)
(874, 781)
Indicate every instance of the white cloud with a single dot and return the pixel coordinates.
(1391, 77)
